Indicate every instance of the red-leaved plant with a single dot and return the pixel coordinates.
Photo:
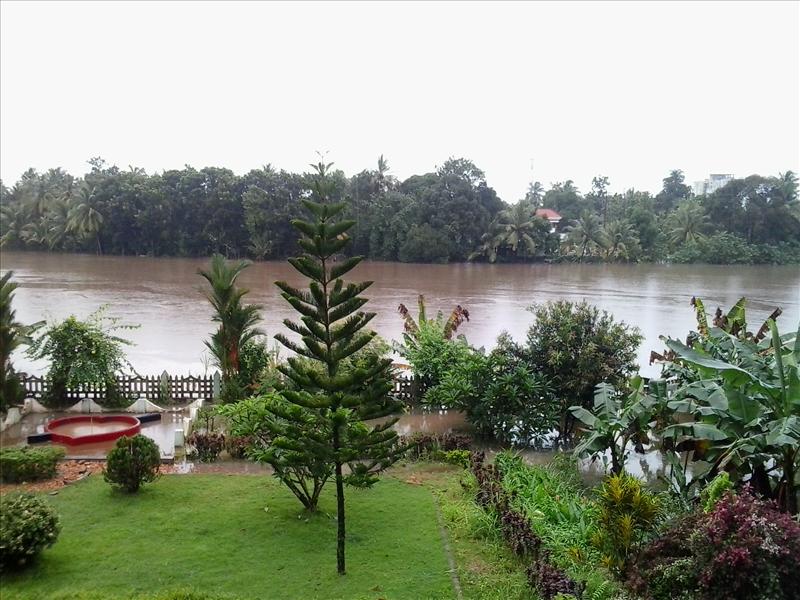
(744, 548)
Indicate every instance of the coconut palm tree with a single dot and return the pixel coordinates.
(237, 321)
(622, 239)
(586, 232)
(535, 194)
(35, 233)
(687, 224)
(57, 222)
(12, 224)
(515, 228)
(488, 247)
(84, 219)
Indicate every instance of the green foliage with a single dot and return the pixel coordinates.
(237, 325)
(208, 445)
(738, 405)
(500, 395)
(556, 504)
(132, 462)
(627, 515)
(429, 344)
(617, 420)
(324, 413)
(260, 418)
(12, 335)
(715, 490)
(254, 359)
(457, 457)
(28, 525)
(516, 234)
(80, 353)
(576, 347)
(587, 234)
(28, 463)
(441, 216)
(424, 244)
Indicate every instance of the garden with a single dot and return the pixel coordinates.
(351, 509)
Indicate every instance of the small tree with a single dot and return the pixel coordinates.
(575, 347)
(329, 406)
(80, 353)
(237, 322)
(12, 336)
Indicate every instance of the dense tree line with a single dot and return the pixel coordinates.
(451, 214)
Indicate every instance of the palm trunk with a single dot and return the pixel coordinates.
(99, 247)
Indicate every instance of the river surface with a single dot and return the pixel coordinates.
(165, 297)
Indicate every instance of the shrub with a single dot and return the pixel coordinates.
(432, 354)
(501, 396)
(82, 352)
(434, 446)
(627, 515)
(551, 582)
(743, 548)
(237, 445)
(28, 525)
(207, 444)
(29, 464)
(132, 462)
(457, 457)
(576, 347)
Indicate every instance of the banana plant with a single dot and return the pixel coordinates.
(619, 420)
(745, 416)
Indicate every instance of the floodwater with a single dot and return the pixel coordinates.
(161, 432)
(165, 296)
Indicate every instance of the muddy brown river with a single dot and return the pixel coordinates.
(165, 297)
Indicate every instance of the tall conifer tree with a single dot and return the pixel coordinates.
(335, 397)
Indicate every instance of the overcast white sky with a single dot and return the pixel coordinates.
(628, 90)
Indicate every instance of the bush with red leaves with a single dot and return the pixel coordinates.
(550, 581)
(744, 548)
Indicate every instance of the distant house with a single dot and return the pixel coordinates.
(550, 215)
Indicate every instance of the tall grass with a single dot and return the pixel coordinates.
(562, 513)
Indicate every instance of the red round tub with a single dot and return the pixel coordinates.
(90, 429)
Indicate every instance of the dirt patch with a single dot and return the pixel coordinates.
(68, 471)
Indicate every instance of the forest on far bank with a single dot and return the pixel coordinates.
(449, 215)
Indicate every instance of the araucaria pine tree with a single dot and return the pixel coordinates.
(335, 397)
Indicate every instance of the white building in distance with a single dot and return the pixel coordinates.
(714, 182)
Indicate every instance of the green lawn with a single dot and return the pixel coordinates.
(239, 535)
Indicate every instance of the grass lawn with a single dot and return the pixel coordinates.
(240, 535)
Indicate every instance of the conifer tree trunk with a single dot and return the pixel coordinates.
(340, 534)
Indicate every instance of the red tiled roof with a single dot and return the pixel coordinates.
(547, 213)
